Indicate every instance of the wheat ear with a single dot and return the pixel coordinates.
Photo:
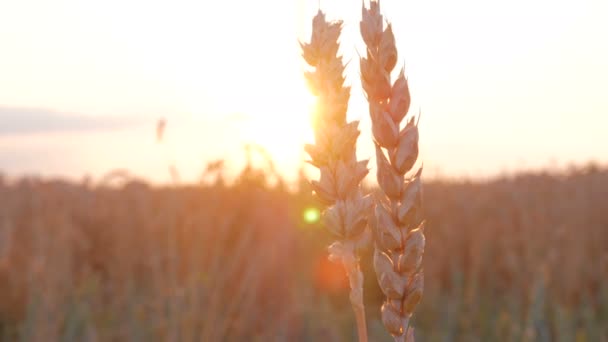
(398, 227)
(334, 153)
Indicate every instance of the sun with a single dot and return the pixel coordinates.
(282, 126)
(251, 84)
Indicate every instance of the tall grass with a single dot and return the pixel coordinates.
(513, 259)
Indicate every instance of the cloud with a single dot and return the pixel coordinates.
(23, 120)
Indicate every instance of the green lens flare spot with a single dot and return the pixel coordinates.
(311, 215)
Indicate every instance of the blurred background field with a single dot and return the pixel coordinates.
(518, 258)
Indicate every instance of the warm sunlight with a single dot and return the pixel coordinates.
(229, 73)
(279, 123)
(155, 183)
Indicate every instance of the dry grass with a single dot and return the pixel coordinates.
(515, 259)
(139, 263)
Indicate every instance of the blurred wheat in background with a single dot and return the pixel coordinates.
(514, 259)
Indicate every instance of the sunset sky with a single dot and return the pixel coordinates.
(502, 86)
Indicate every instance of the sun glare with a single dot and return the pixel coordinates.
(280, 126)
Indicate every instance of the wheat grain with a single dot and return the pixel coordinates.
(398, 228)
(334, 153)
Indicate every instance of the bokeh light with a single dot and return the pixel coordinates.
(311, 215)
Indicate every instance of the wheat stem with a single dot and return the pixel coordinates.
(398, 227)
(334, 153)
(356, 298)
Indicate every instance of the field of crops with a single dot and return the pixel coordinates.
(521, 258)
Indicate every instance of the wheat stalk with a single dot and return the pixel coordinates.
(398, 227)
(334, 153)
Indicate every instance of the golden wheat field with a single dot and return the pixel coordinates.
(521, 258)
(372, 171)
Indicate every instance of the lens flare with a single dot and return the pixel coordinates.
(311, 215)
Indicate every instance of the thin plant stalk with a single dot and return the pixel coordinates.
(398, 225)
(334, 153)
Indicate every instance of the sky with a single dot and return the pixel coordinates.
(502, 86)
